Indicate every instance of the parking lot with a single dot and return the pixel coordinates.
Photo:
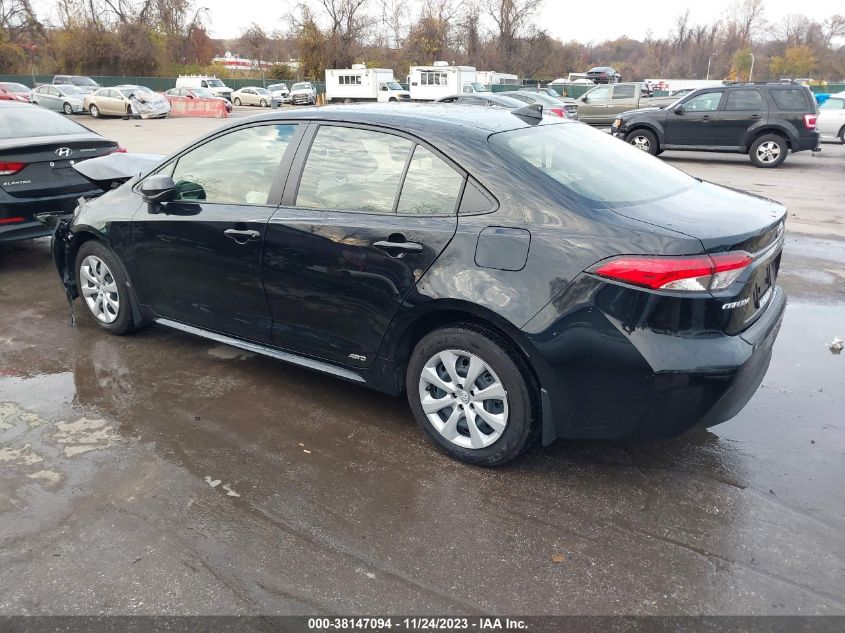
(162, 473)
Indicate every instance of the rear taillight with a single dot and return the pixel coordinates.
(694, 274)
(119, 150)
(810, 121)
(8, 169)
(10, 220)
(557, 112)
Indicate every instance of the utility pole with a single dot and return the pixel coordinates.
(708, 64)
(751, 72)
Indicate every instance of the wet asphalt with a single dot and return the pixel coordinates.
(159, 473)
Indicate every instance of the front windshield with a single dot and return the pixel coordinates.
(201, 92)
(477, 87)
(278, 87)
(214, 83)
(601, 170)
(552, 92)
(262, 91)
(393, 85)
(142, 89)
(301, 86)
(15, 87)
(127, 91)
(84, 81)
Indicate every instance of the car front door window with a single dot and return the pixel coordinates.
(707, 102)
(236, 168)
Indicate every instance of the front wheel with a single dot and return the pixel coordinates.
(94, 111)
(842, 136)
(768, 151)
(643, 140)
(67, 108)
(237, 101)
(103, 288)
(263, 103)
(472, 394)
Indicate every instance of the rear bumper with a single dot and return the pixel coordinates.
(811, 142)
(27, 208)
(603, 378)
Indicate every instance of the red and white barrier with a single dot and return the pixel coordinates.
(188, 107)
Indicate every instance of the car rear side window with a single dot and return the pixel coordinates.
(739, 100)
(236, 168)
(623, 92)
(597, 168)
(353, 170)
(789, 98)
(833, 104)
(431, 186)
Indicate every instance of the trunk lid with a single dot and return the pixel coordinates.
(724, 220)
(49, 164)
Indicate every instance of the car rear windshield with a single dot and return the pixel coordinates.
(14, 87)
(601, 170)
(25, 122)
(84, 81)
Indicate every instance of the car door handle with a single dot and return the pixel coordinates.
(756, 116)
(403, 247)
(705, 118)
(242, 237)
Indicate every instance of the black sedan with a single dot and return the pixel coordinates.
(516, 277)
(603, 75)
(38, 149)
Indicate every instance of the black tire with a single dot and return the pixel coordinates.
(644, 140)
(237, 101)
(94, 111)
(263, 103)
(67, 109)
(124, 321)
(523, 424)
(842, 135)
(759, 146)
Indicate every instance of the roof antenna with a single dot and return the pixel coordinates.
(531, 114)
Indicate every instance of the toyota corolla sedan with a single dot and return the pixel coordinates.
(518, 278)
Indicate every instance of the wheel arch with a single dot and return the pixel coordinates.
(648, 126)
(403, 335)
(753, 135)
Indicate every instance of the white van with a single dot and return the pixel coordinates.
(215, 85)
(429, 83)
(360, 83)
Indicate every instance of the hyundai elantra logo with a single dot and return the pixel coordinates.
(64, 152)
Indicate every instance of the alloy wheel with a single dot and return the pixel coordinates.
(641, 142)
(99, 289)
(768, 152)
(463, 399)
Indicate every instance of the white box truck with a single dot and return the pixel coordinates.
(492, 78)
(429, 83)
(360, 83)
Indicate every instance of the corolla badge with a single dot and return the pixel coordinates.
(64, 152)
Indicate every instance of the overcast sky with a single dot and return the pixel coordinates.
(565, 19)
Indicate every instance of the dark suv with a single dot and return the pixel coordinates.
(764, 121)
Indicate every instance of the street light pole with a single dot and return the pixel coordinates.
(708, 64)
(751, 72)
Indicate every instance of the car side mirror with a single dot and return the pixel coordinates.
(158, 189)
(679, 109)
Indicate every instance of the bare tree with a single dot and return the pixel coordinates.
(511, 18)
(833, 28)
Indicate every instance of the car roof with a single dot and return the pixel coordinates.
(416, 118)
